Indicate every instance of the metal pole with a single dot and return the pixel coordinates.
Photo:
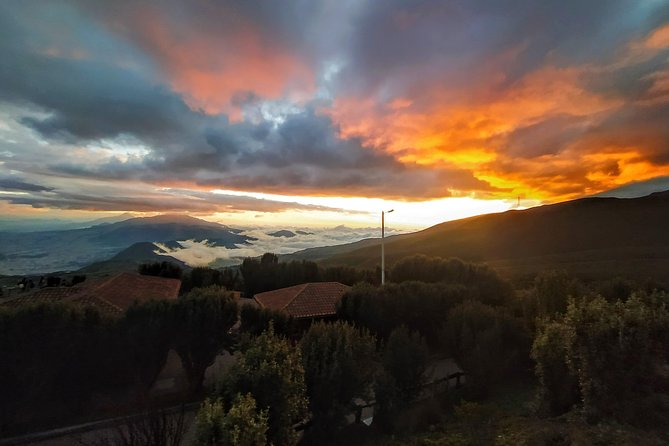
(383, 235)
(383, 257)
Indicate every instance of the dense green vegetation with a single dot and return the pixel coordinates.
(340, 366)
(267, 273)
(54, 358)
(270, 370)
(242, 425)
(559, 361)
(201, 330)
(161, 269)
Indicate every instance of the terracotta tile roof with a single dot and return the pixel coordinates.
(306, 300)
(44, 295)
(112, 295)
(123, 289)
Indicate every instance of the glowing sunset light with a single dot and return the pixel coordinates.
(267, 113)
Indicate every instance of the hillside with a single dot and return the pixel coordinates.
(591, 237)
(46, 251)
(130, 258)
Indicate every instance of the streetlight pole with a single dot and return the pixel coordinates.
(383, 254)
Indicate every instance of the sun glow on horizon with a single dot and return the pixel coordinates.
(363, 212)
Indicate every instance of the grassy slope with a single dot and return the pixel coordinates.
(129, 260)
(595, 237)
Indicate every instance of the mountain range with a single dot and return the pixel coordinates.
(47, 251)
(595, 237)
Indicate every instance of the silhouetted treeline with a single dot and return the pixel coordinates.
(161, 269)
(255, 320)
(267, 273)
(482, 281)
(202, 277)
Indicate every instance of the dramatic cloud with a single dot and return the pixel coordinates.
(94, 197)
(15, 184)
(150, 107)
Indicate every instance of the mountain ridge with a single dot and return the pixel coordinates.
(72, 249)
(622, 235)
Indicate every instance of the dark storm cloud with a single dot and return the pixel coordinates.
(547, 137)
(399, 44)
(20, 185)
(156, 201)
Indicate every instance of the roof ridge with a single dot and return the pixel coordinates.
(101, 283)
(302, 286)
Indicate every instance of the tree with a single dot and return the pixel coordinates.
(202, 323)
(267, 273)
(346, 275)
(255, 320)
(48, 355)
(243, 425)
(422, 307)
(271, 370)
(405, 360)
(552, 290)
(339, 366)
(613, 350)
(203, 277)
(147, 334)
(558, 387)
(160, 269)
(404, 363)
(482, 281)
(210, 424)
(488, 342)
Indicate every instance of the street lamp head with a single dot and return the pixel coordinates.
(388, 212)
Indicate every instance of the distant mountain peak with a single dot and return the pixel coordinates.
(181, 219)
(282, 233)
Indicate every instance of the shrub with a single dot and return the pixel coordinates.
(271, 370)
(242, 425)
(339, 364)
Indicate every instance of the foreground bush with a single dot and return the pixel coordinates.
(488, 343)
(612, 350)
(202, 323)
(271, 371)
(340, 364)
(421, 307)
(242, 425)
(404, 363)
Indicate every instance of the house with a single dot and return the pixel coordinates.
(306, 301)
(111, 295)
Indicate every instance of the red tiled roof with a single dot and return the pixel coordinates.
(113, 295)
(45, 295)
(123, 289)
(306, 300)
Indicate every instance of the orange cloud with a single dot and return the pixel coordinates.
(658, 39)
(464, 134)
(211, 68)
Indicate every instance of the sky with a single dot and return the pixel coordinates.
(323, 112)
